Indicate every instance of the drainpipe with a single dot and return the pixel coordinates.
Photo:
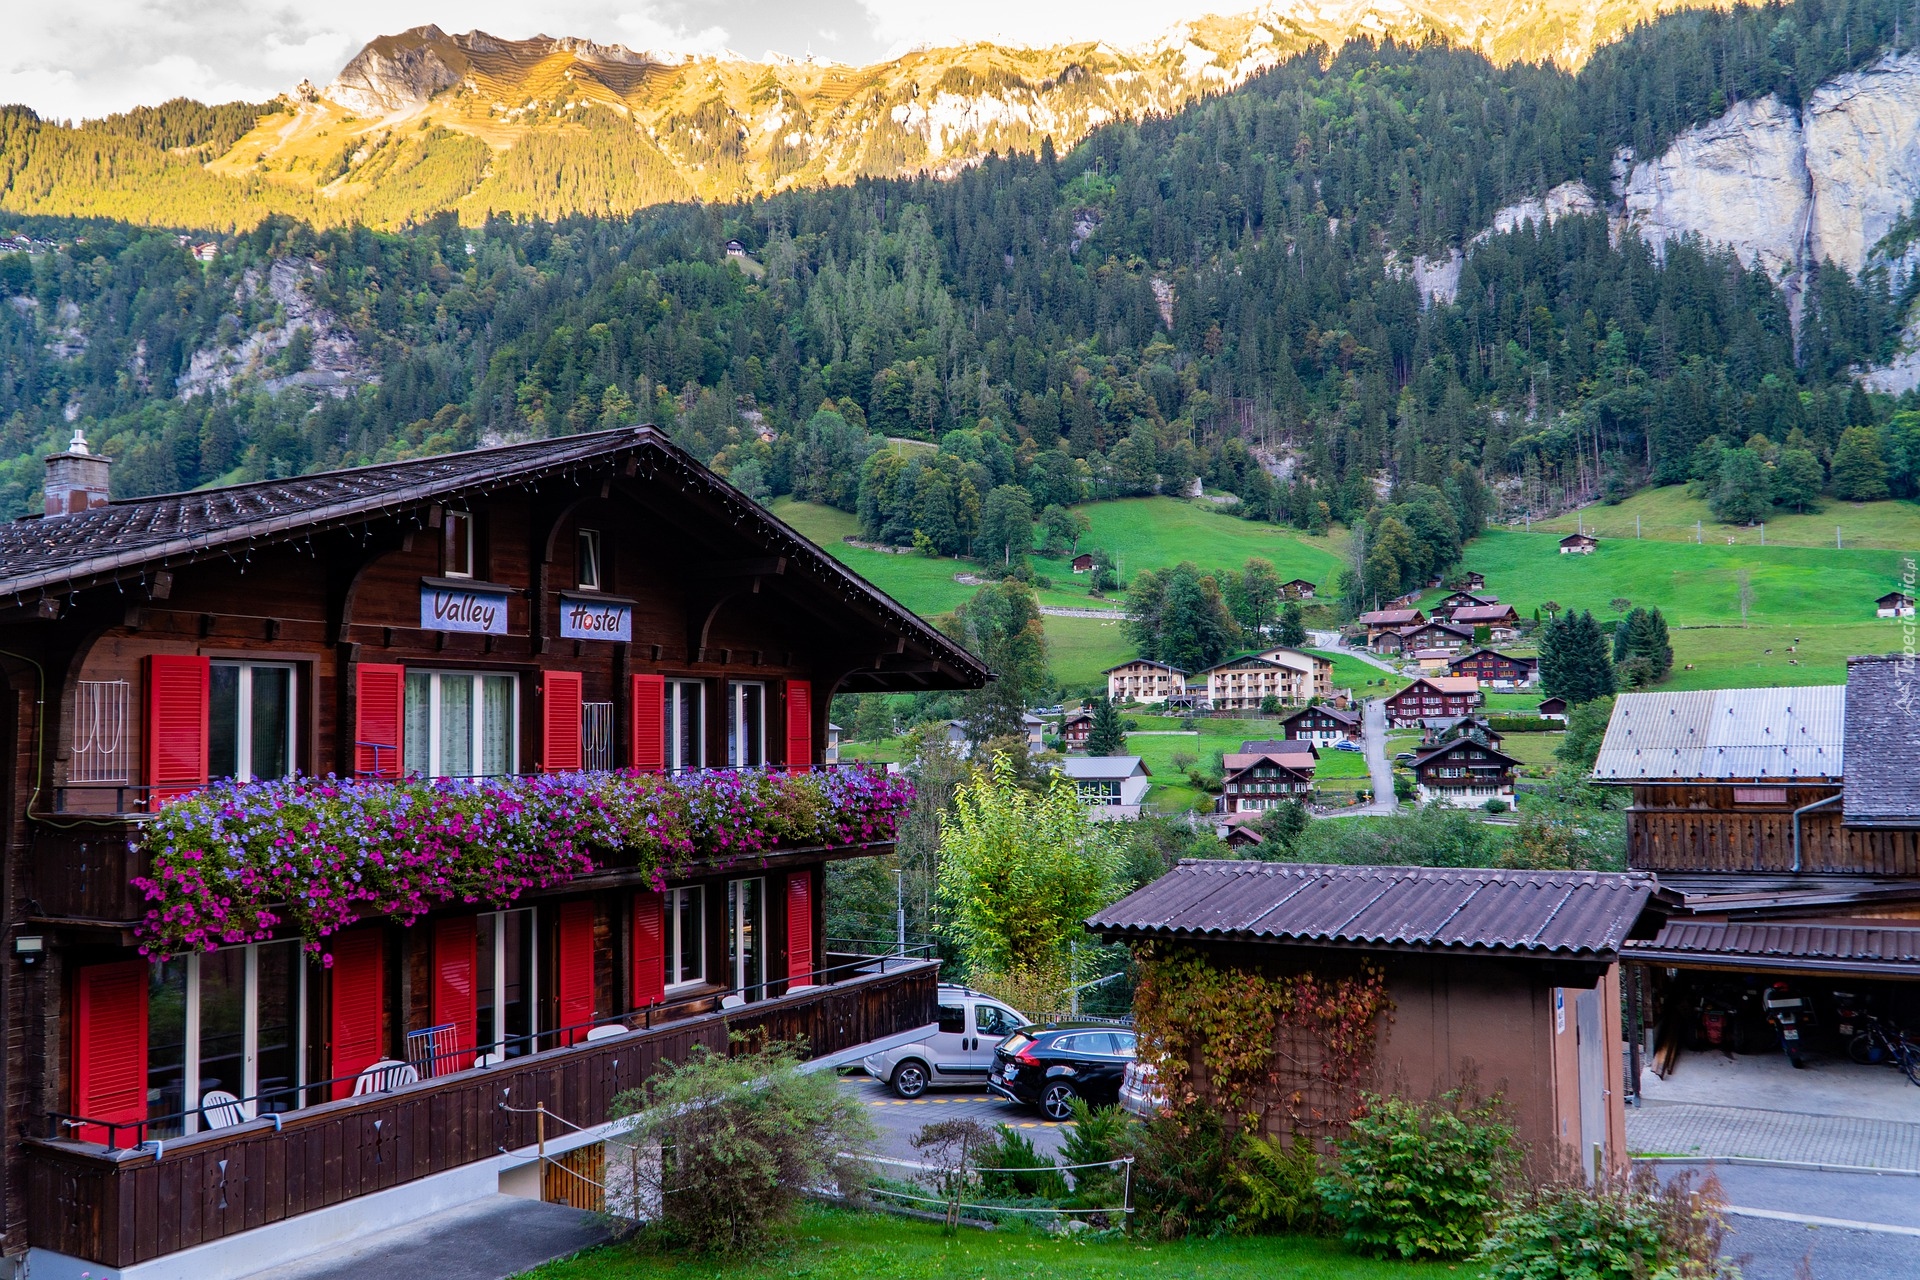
(1807, 808)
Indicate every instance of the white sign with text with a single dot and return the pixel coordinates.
(444, 607)
(595, 619)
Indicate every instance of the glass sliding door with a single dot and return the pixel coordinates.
(746, 724)
(229, 1022)
(504, 983)
(746, 937)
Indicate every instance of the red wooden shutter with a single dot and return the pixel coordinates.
(799, 724)
(800, 929)
(110, 1048)
(562, 722)
(359, 1005)
(649, 950)
(379, 729)
(176, 725)
(574, 986)
(453, 989)
(649, 724)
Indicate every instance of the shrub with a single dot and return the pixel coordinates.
(1183, 1176)
(1034, 1176)
(1627, 1229)
(739, 1140)
(1280, 1183)
(1096, 1136)
(1421, 1179)
(1495, 806)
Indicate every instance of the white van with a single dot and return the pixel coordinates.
(971, 1024)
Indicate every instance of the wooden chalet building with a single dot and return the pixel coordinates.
(1790, 820)
(1472, 581)
(1264, 774)
(1464, 770)
(1461, 600)
(1378, 621)
(1433, 697)
(1435, 635)
(1144, 681)
(1285, 674)
(1495, 670)
(1579, 544)
(1075, 729)
(1298, 589)
(597, 602)
(1553, 708)
(1324, 724)
(1894, 604)
(1083, 563)
(1501, 622)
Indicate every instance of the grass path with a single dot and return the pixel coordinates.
(830, 1244)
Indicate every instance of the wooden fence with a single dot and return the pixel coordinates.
(118, 1208)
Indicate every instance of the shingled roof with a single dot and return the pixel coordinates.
(1581, 915)
(121, 541)
(1883, 742)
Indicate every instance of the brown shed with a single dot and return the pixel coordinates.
(1507, 978)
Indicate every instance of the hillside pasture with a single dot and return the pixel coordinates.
(1667, 514)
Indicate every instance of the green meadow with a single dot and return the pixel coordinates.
(1809, 606)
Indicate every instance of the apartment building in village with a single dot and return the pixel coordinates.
(599, 602)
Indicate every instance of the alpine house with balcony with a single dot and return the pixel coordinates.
(356, 818)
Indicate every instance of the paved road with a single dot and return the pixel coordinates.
(1379, 769)
(1695, 1128)
(1331, 641)
(1843, 1225)
(898, 1120)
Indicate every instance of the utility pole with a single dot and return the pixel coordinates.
(900, 911)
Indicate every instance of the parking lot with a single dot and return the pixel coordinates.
(898, 1120)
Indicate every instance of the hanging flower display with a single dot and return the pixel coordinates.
(237, 862)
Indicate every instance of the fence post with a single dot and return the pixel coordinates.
(1836, 538)
(1763, 533)
(1696, 532)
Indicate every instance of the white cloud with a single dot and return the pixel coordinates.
(903, 24)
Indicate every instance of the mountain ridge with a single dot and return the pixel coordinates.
(422, 122)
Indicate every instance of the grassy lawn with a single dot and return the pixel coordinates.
(1534, 750)
(1508, 703)
(831, 1244)
(1668, 515)
(1171, 793)
(1339, 764)
(1152, 533)
(1082, 648)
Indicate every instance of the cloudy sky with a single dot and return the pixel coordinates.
(90, 57)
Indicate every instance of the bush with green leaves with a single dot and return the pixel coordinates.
(1625, 1229)
(1421, 1179)
(1281, 1183)
(1183, 1176)
(717, 1151)
(1098, 1135)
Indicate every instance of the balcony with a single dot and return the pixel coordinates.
(119, 1206)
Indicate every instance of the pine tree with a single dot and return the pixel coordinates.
(1107, 737)
(1293, 628)
(1574, 660)
(1859, 472)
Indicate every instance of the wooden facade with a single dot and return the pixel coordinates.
(645, 616)
(1708, 827)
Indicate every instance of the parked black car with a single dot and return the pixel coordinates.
(1049, 1066)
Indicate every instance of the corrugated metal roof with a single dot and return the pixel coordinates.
(1536, 913)
(1883, 741)
(1828, 943)
(1093, 768)
(1795, 732)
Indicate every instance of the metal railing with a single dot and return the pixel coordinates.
(436, 1060)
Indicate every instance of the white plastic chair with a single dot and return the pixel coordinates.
(491, 1058)
(388, 1073)
(606, 1031)
(221, 1110)
(733, 1000)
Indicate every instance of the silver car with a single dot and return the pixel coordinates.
(960, 1053)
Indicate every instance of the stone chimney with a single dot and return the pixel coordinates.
(76, 479)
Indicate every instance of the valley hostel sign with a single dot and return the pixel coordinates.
(595, 618)
(455, 604)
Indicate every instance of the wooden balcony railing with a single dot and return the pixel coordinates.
(117, 1208)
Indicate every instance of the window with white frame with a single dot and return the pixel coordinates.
(100, 750)
(685, 724)
(462, 724)
(587, 559)
(250, 721)
(746, 724)
(222, 1026)
(459, 559)
(686, 935)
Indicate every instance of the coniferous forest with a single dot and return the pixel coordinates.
(1221, 295)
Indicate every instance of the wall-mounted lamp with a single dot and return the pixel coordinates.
(29, 947)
